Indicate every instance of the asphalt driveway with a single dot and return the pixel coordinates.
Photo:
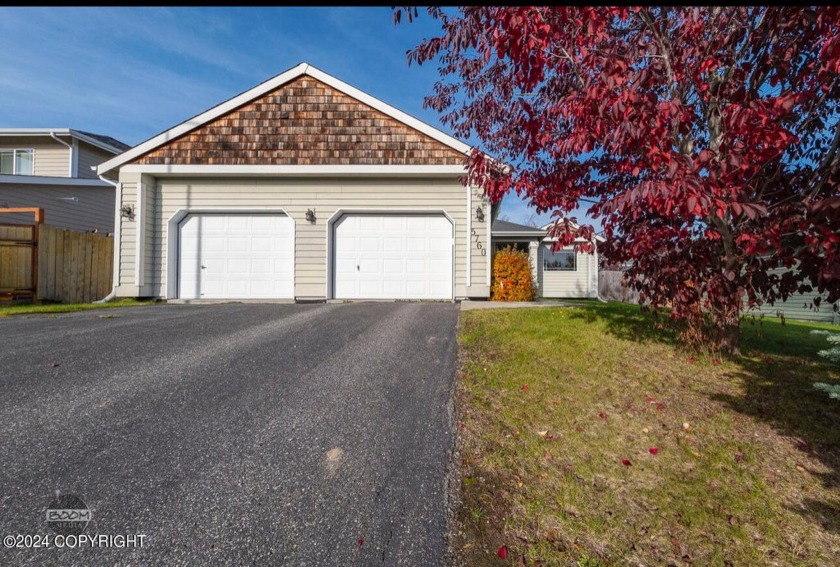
(231, 434)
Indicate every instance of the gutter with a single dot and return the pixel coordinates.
(116, 271)
(72, 156)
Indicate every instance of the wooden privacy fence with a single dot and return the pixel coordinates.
(67, 265)
(17, 248)
(74, 267)
(611, 287)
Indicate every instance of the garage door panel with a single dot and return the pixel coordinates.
(393, 256)
(243, 256)
(393, 265)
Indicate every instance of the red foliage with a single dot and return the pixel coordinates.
(502, 553)
(706, 137)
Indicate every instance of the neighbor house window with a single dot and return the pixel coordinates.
(562, 260)
(16, 162)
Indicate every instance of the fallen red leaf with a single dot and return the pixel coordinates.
(626, 462)
(361, 542)
(650, 400)
(660, 406)
(653, 450)
(716, 362)
(524, 387)
(602, 415)
(691, 359)
(463, 426)
(503, 552)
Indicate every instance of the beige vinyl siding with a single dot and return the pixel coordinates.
(799, 306)
(52, 159)
(568, 284)
(90, 156)
(295, 196)
(478, 260)
(128, 238)
(150, 236)
(93, 209)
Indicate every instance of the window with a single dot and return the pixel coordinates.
(562, 260)
(16, 162)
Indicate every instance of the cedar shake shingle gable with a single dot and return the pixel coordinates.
(303, 122)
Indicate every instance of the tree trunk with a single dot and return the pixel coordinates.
(731, 339)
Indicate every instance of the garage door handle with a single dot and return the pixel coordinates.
(357, 268)
(203, 267)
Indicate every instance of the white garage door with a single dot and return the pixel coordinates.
(393, 257)
(236, 257)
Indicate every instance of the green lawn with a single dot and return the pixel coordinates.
(6, 310)
(746, 467)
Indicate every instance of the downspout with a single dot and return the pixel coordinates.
(60, 141)
(116, 274)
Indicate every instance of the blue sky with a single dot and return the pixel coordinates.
(133, 72)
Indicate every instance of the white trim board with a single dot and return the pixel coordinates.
(268, 86)
(299, 170)
(44, 180)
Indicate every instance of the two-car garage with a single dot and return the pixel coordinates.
(372, 255)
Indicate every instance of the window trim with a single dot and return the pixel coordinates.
(546, 268)
(14, 152)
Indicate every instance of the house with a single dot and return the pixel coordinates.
(563, 273)
(301, 188)
(50, 168)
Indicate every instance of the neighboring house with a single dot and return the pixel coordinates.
(301, 188)
(800, 306)
(562, 273)
(51, 168)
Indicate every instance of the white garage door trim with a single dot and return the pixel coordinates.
(173, 244)
(333, 221)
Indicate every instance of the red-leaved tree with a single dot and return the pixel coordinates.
(707, 139)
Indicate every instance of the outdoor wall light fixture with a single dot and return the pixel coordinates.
(127, 212)
(479, 214)
(310, 215)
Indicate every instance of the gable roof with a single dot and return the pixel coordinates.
(266, 87)
(505, 228)
(103, 142)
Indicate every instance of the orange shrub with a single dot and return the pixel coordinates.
(512, 277)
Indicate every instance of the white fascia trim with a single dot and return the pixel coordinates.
(172, 237)
(44, 180)
(267, 86)
(528, 235)
(299, 170)
(336, 216)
